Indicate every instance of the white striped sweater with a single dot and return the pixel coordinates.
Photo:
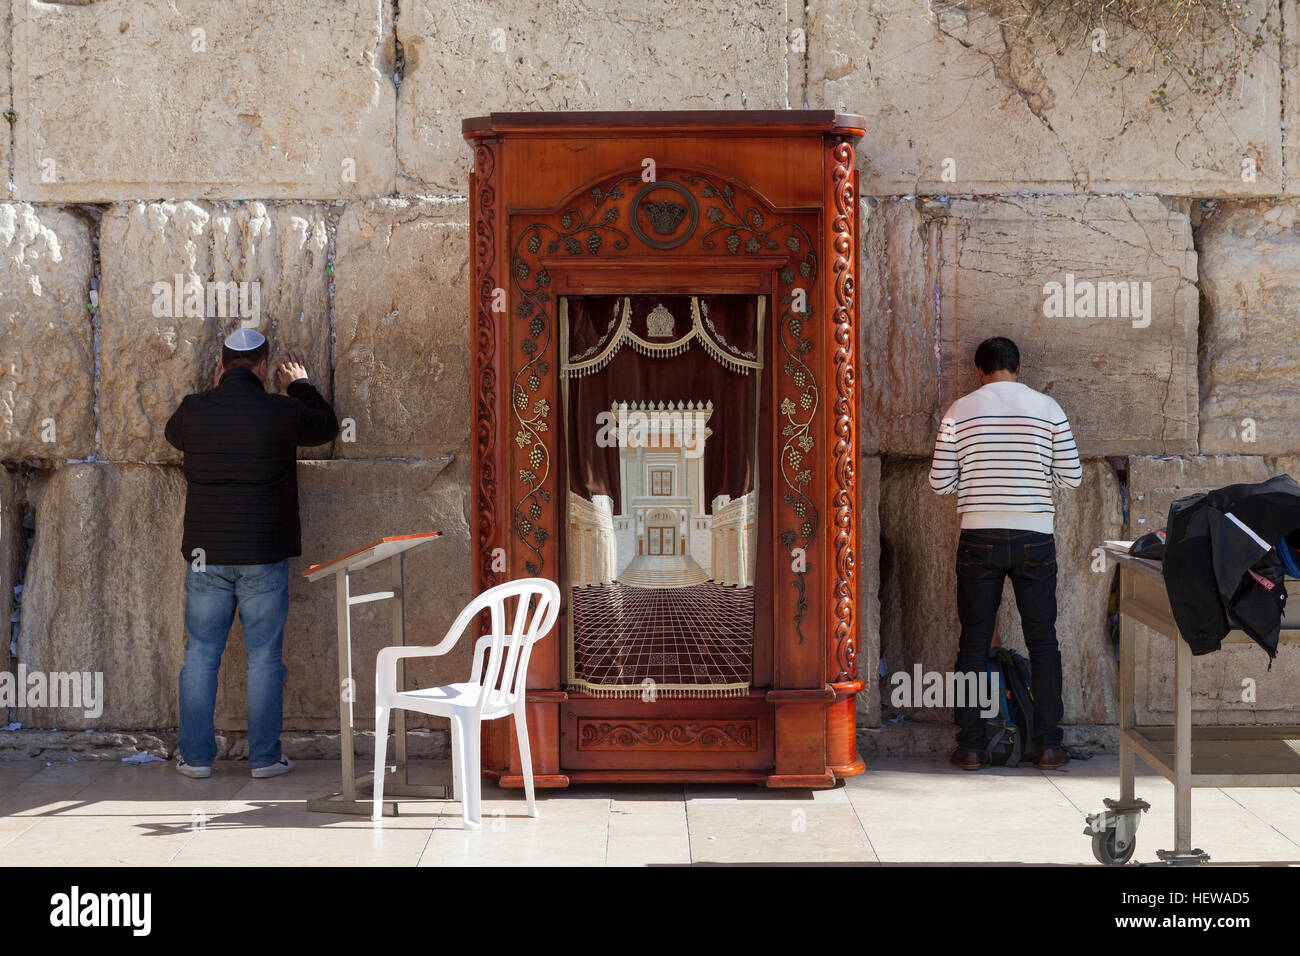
(1001, 449)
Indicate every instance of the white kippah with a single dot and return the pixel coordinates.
(244, 340)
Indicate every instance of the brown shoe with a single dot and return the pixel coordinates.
(966, 759)
(1050, 758)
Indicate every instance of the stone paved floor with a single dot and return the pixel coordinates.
(913, 810)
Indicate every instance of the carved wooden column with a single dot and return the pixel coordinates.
(842, 657)
(484, 229)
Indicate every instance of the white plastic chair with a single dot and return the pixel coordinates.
(496, 690)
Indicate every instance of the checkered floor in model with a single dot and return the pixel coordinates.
(703, 634)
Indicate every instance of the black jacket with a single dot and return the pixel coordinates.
(241, 470)
(1221, 565)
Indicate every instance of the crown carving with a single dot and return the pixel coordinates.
(664, 216)
(660, 323)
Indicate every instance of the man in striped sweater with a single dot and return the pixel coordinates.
(1002, 449)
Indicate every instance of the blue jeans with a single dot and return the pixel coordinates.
(261, 593)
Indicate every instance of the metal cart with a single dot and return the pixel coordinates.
(1187, 756)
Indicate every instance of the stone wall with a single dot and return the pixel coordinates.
(919, 532)
(1235, 684)
(942, 275)
(314, 148)
(13, 547)
(944, 82)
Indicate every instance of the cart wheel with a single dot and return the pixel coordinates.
(1103, 848)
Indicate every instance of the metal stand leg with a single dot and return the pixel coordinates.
(1183, 853)
(347, 800)
(1127, 708)
(397, 572)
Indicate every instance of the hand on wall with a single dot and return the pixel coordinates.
(290, 369)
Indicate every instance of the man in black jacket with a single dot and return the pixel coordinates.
(241, 528)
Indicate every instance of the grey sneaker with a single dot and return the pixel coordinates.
(198, 773)
(283, 766)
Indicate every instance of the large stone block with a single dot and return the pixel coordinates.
(125, 618)
(402, 350)
(949, 83)
(13, 544)
(940, 276)
(1250, 311)
(918, 544)
(281, 253)
(150, 362)
(176, 278)
(868, 568)
(6, 98)
(1233, 685)
(344, 505)
(1086, 516)
(1126, 381)
(471, 59)
(133, 99)
(919, 532)
(1217, 688)
(104, 592)
(47, 338)
(1154, 483)
(899, 309)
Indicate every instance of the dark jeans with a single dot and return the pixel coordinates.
(985, 556)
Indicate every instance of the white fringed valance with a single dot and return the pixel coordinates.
(619, 333)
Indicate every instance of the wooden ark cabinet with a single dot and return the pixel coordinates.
(759, 203)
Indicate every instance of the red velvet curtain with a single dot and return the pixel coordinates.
(730, 464)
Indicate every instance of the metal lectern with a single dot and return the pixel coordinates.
(392, 550)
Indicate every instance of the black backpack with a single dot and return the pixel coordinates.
(1011, 731)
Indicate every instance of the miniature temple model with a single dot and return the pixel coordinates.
(669, 534)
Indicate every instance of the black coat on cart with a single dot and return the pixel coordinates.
(1221, 567)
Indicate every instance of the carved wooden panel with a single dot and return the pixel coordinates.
(715, 735)
(611, 734)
